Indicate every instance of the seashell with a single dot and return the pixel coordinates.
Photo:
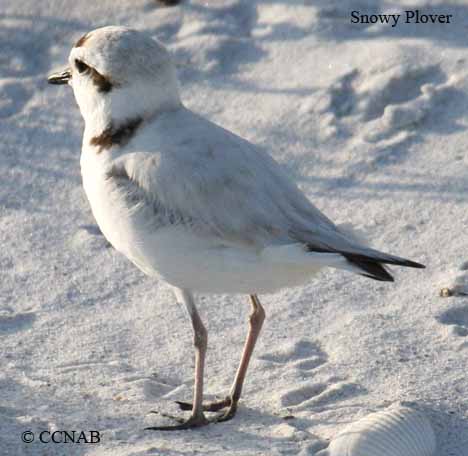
(397, 431)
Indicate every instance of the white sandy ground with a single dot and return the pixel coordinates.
(370, 120)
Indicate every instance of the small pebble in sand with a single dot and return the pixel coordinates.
(445, 292)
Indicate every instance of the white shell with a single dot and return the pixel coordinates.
(398, 431)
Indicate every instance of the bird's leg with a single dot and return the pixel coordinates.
(197, 418)
(255, 325)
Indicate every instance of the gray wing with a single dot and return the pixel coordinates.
(226, 189)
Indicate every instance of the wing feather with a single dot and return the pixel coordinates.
(228, 190)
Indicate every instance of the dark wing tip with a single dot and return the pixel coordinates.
(380, 278)
(411, 264)
(374, 267)
(370, 267)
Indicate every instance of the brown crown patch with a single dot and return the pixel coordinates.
(116, 136)
(82, 40)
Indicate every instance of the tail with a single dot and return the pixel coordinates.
(373, 267)
(360, 260)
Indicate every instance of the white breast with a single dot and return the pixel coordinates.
(177, 255)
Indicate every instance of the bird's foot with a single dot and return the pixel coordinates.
(198, 420)
(214, 406)
(230, 413)
(193, 422)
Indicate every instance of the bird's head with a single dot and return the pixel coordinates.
(118, 73)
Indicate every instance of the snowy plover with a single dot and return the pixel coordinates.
(192, 203)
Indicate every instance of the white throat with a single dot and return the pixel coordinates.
(126, 105)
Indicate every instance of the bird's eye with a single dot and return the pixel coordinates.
(81, 66)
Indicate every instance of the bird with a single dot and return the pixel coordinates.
(191, 203)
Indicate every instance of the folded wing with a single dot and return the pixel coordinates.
(226, 190)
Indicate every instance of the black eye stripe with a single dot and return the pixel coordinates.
(81, 66)
(102, 82)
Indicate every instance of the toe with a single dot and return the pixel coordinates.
(210, 407)
(192, 422)
(184, 405)
(231, 412)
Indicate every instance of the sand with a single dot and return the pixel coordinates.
(369, 119)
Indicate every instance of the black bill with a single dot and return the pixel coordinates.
(60, 78)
